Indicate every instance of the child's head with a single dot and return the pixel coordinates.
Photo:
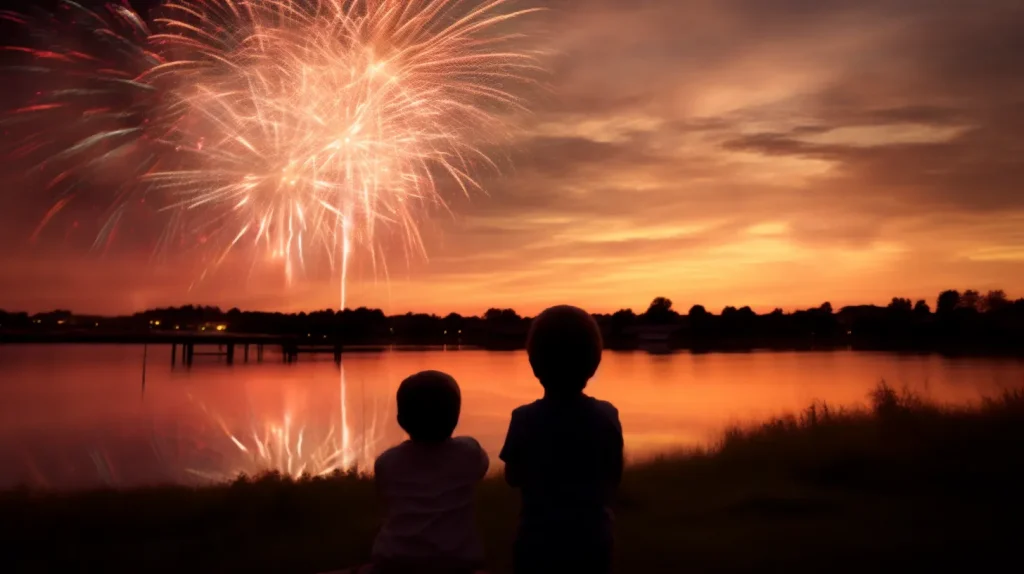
(564, 346)
(428, 406)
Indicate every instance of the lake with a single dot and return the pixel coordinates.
(81, 416)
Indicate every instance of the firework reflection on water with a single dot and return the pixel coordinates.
(211, 425)
(298, 432)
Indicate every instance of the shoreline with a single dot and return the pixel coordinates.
(120, 339)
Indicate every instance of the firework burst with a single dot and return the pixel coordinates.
(298, 128)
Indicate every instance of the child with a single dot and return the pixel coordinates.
(427, 484)
(564, 452)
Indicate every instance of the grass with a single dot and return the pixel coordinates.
(904, 485)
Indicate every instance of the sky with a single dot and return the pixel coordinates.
(771, 153)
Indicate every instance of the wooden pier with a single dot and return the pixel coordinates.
(185, 347)
(226, 350)
(290, 352)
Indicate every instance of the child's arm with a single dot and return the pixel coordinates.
(618, 457)
(512, 476)
(511, 453)
(378, 481)
(480, 461)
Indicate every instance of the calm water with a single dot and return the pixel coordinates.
(78, 416)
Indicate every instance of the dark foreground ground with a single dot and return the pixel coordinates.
(906, 487)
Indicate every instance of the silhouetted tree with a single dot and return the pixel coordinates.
(660, 311)
(901, 305)
(698, 311)
(826, 308)
(921, 308)
(947, 301)
(453, 324)
(622, 318)
(617, 325)
(994, 301)
(970, 299)
(660, 305)
(503, 316)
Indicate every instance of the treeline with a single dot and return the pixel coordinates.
(960, 322)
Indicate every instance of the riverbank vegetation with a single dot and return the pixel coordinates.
(959, 323)
(901, 486)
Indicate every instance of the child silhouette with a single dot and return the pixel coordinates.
(564, 452)
(427, 484)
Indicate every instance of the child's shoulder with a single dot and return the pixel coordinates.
(389, 456)
(467, 452)
(604, 407)
(536, 408)
(528, 409)
(465, 443)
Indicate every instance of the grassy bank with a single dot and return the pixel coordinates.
(902, 486)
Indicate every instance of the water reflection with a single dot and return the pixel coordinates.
(77, 416)
(314, 430)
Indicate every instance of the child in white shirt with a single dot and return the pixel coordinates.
(428, 483)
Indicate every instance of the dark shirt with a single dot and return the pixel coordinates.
(565, 454)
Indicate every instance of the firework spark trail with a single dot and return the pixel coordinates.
(86, 116)
(284, 129)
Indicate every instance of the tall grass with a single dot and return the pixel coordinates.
(901, 485)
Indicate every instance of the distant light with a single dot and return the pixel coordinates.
(176, 327)
(222, 327)
(325, 336)
(460, 331)
(446, 331)
(97, 325)
(309, 334)
(60, 321)
(157, 323)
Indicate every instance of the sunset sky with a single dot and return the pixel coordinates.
(772, 153)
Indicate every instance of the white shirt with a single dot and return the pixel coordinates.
(428, 490)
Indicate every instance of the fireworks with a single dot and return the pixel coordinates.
(297, 128)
